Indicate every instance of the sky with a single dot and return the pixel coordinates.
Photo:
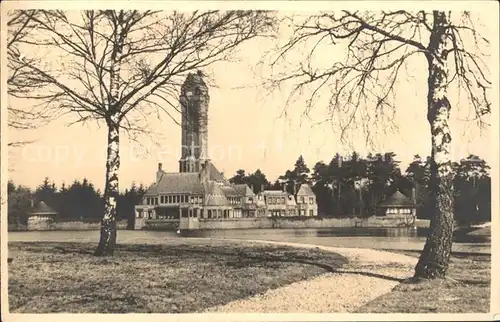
(246, 131)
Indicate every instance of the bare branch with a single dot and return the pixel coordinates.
(375, 45)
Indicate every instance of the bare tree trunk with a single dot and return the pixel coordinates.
(433, 262)
(107, 241)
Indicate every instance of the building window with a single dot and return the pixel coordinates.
(311, 200)
(250, 199)
(162, 199)
(302, 200)
(311, 212)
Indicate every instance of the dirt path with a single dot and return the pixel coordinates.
(369, 274)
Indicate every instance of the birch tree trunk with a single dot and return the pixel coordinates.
(107, 240)
(433, 262)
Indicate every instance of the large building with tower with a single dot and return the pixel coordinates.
(198, 189)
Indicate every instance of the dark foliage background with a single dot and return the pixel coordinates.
(346, 186)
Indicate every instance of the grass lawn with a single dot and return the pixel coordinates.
(469, 294)
(179, 276)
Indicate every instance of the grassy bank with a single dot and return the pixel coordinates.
(178, 276)
(467, 292)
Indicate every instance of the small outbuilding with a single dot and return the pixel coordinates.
(398, 204)
(41, 216)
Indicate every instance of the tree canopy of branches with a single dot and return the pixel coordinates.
(21, 25)
(119, 67)
(377, 48)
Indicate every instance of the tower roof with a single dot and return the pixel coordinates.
(193, 81)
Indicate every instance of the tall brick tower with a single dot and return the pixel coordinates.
(194, 101)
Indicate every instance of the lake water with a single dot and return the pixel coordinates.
(377, 238)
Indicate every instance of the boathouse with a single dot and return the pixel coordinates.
(41, 217)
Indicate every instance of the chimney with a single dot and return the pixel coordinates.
(262, 188)
(413, 196)
(159, 173)
(205, 175)
(283, 187)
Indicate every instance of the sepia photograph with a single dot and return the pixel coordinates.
(253, 161)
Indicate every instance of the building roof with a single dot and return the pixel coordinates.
(184, 182)
(274, 192)
(214, 195)
(42, 209)
(215, 174)
(243, 190)
(305, 190)
(230, 191)
(397, 200)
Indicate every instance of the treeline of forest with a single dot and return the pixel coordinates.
(355, 185)
(346, 186)
(78, 201)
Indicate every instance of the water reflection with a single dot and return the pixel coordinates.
(379, 238)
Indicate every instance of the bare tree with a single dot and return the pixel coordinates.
(377, 47)
(119, 67)
(20, 25)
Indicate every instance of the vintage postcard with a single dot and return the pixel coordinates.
(249, 161)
